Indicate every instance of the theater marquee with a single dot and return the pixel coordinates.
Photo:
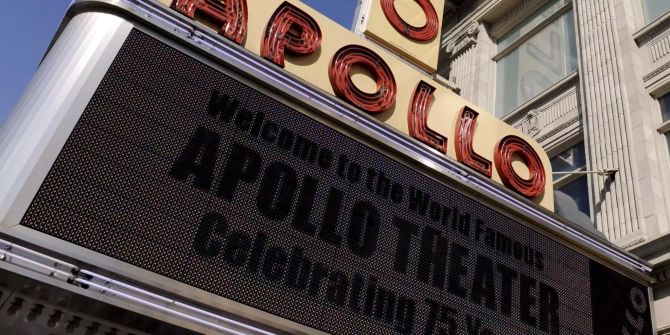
(192, 171)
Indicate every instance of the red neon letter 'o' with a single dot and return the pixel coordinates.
(425, 33)
(292, 30)
(231, 15)
(417, 118)
(505, 150)
(339, 73)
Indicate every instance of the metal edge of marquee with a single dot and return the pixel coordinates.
(235, 58)
(60, 274)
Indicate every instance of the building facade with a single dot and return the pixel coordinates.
(590, 81)
(216, 167)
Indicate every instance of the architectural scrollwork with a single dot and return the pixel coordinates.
(467, 38)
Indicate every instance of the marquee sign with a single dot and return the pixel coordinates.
(305, 43)
(219, 185)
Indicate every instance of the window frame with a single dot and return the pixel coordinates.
(644, 13)
(662, 142)
(500, 54)
(664, 126)
(525, 37)
(569, 178)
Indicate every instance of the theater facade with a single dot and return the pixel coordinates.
(251, 167)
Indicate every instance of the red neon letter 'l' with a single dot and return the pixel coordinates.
(417, 118)
(465, 133)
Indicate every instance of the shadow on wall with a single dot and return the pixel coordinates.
(566, 207)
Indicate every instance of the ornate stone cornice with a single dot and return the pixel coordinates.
(550, 94)
(652, 30)
(558, 129)
(514, 16)
(656, 71)
(463, 41)
(511, 14)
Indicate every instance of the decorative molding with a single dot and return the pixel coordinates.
(625, 244)
(660, 47)
(463, 41)
(656, 71)
(652, 30)
(549, 120)
(514, 16)
(615, 204)
(547, 96)
(511, 14)
(560, 128)
(465, 16)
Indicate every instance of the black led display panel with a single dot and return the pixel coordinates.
(182, 170)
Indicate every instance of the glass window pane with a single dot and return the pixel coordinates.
(570, 42)
(579, 191)
(665, 106)
(539, 62)
(569, 160)
(531, 22)
(653, 9)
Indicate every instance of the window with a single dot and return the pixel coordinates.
(535, 55)
(664, 129)
(665, 107)
(653, 9)
(574, 185)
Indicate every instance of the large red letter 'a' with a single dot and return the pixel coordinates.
(505, 150)
(339, 73)
(230, 14)
(291, 30)
(417, 118)
(465, 133)
(425, 33)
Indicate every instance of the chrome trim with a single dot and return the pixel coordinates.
(43, 265)
(28, 259)
(134, 295)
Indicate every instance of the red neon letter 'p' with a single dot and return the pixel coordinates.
(291, 30)
(505, 150)
(339, 73)
(417, 118)
(230, 14)
(425, 33)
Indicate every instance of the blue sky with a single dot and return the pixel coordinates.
(28, 26)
